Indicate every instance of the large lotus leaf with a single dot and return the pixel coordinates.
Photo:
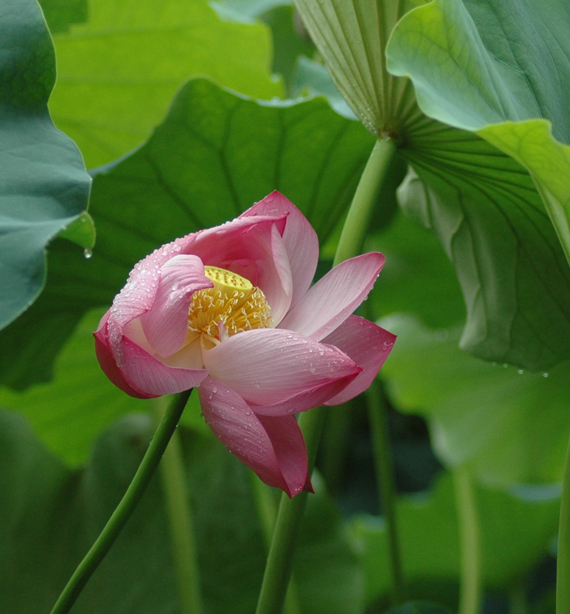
(484, 209)
(499, 68)
(118, 72)
(351, 36)
(508, 425)
(213, 157)
(61, 14)
(43, 183)
(517, 528)
(51, 515)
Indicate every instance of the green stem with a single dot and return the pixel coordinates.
(177, 499)
(288, 525)
(126, 506)
(267, 512)
(365, 198)
(563, 556)
(377, 414)
(290, 515)
(470, 539)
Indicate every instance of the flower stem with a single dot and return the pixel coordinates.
(126, 506)
(267, 511)
(563, 556)
(287, 526)
(470, 539)
(174, 485)
(377, 414)
(290, 515)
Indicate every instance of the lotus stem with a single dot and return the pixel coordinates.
(290, 515)
(126, 506)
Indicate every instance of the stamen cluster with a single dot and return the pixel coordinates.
(232, 306)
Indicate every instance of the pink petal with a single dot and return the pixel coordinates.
(166, 323)
(108, 364)
(368, 345)
(279, 459)
(268, 366)
(334, 297)
(300, 239)
(145, 373)
(289, 446)
(254, 249)
(305, 400)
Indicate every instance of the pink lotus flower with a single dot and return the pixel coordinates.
(229, 310)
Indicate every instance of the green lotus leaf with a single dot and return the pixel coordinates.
(43, 184)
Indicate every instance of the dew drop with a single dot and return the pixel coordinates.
(87, 253)
(505, 365)
(494, 364)
(214, 390)
(545, 375)
(520, 371)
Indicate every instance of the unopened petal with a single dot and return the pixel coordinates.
(268, 366)
(279, 459)
(368, 345)
(334, 297)
(300, 239)
(253, 248)
(166, 324)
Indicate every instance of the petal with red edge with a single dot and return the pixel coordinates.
(300, 239)
(289, 446)
(166, 323)
(268, 366)
(146, 373)
(368, 345)
(334, 297)
(242, 432)
(108, 364)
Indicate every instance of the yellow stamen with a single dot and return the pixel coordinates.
(232, 306)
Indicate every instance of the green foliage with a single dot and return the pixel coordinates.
(418, 607)
(45, 504)
(82, 232)
(516, 528)
(118, 72)
(43, 183)
(508, 425)
(502, 74)
(487, 214)
(417, 277)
